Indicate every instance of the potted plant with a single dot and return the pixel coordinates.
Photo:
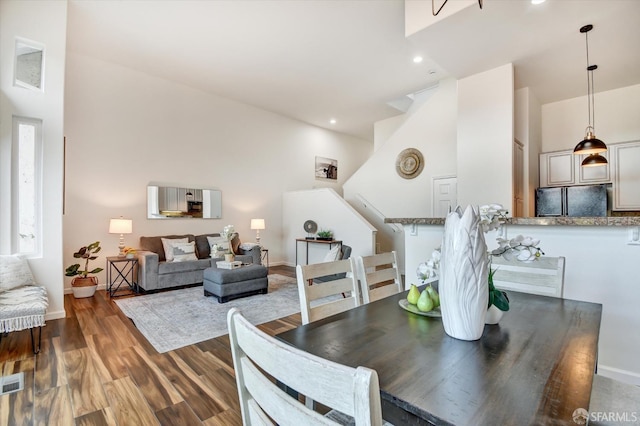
(325, 235)
(498, 302)
(84, 285)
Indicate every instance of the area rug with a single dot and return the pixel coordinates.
(177, 318)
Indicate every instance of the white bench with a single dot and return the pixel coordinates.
(23, 304)
(23, 308)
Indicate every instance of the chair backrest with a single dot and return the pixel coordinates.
(352, 391)
(321, 300)
(345, 253)
(543, 276)
(379, 276)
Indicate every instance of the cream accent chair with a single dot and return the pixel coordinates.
(312, 307)
(544, 276)
(379, 276)
(353, 392)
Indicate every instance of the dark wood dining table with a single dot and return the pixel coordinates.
(533, 368)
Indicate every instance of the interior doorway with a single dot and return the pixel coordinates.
(444, 190)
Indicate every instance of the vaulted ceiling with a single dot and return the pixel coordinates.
(314, 60)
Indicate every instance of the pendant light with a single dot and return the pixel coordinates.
(433, 6)
(590, 144)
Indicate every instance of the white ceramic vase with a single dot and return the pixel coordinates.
(464, 273)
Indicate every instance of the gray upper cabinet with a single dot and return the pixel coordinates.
(557, 169)
(563, 168)
(626, 175)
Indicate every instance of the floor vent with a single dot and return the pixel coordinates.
(12, 383)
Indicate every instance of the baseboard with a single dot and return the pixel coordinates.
(55, 315)
(68, 290)
(618, 374)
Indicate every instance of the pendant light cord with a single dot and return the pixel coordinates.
(435, 13)
(589, 74)
(590, 87)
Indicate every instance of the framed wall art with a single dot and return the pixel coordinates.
(326, 168)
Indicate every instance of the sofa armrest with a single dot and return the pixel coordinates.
(255, 253)
(148, 269)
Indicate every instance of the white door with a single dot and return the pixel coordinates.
(445, 195)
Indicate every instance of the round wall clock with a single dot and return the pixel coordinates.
(310, 227)
(409, 163)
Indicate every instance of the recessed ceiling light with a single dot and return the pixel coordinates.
(417, 59)
(537, 1)
(333, 121)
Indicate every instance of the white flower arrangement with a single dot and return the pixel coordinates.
(228, 232)
(428, 270)
(492, 216)
(525, 249)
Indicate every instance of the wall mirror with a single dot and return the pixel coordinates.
(168, 202)
(29, 65)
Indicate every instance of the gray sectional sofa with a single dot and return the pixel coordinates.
(155, 273)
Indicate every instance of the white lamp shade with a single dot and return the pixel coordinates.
(257, 224)
(120, 226)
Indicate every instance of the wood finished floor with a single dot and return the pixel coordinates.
(96, 368)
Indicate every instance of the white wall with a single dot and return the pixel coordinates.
(431, 129)
(600, 268)
(485, 137)
(44, 22)
(125, 129)
(330, 212)
(616, 119)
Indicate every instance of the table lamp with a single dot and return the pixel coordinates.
(120, 226)
(257, 224)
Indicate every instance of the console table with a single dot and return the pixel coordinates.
(307, 242)
(121, 270)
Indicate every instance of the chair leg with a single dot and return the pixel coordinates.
(33, 346)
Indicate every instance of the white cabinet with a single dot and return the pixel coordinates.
(563, 168)
(593, 175)
(626, 175)
(557, 168)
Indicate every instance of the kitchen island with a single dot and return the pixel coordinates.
(602, 266)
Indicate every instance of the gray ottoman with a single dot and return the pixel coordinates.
(228, 284)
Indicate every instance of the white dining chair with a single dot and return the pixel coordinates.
(379, 276)
(258, 357)
(544, 276)
(320, 300)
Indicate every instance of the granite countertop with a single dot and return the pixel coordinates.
(544, 221)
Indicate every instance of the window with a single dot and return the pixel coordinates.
(27, 186)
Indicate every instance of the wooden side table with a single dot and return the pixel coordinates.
(308, 241)
(121, 270)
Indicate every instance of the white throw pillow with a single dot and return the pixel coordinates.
(247, 246)
(168, 243)
(14, 272)
(333, 255)
(183, 252)
(221, 242)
